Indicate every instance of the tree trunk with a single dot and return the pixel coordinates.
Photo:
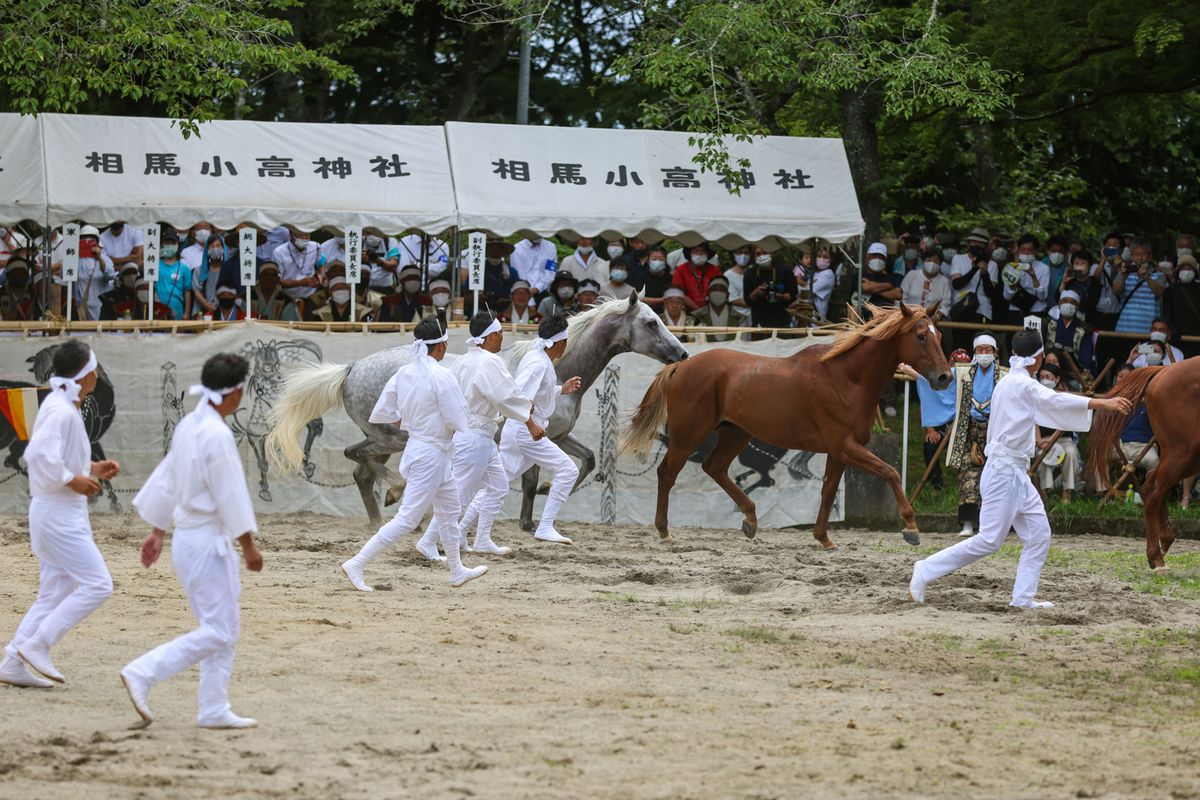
(862, 149)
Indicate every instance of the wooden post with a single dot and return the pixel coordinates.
(937, 456)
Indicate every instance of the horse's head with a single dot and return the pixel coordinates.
(921, 345)
(642, 331)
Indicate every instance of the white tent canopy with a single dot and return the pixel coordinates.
(589, 181)
(307, 175)
(22, 178)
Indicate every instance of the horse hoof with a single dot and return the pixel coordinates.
(544, 488)
(1160, 570)
(528, 526)
(749, 528)
(265, 495)
(391, 498)
(912, 537)
(828, 545)
(665, 538)
(309, 469)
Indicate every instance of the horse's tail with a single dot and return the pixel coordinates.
(1107, 426)
(650, 414)
(307, 394)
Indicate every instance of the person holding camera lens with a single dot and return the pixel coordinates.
(769, 289)
(1138, 287)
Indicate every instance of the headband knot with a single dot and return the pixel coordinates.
(546, 344)
(214, 396)
(1020, 362)
(488, 331)
(71, 385)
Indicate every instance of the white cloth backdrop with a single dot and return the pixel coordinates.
(22, 179)
(590, 181)
(309, 175)
(147, 376)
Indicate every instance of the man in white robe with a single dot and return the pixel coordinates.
(201, 487)
(1010, 499)
(519, 450)
(491, 395)
(423, 399)
(74, 580)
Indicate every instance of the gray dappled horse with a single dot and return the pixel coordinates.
(594, 338)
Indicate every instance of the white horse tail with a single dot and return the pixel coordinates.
(307, 394)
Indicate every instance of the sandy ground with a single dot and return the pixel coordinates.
(713, 667)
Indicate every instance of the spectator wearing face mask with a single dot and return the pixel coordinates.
(1081, 278)
(584, 263)
(16, 301)
(589, 293)
(770, 288)
(1156, 350)
(1138, 287)
(173, 287)
(974, 384)
(218, 266)
(972, 281)
(1067, 445)
(692, 276)
(333, 249)
(301, 269)
(199, 236)
(948, 245)
(880, 286)
(408, 303)
(821, 282)
(1181, 304)
(498, 278)
(95, 276)
(1026, 281)
(1136, 434)
(123, 244)
(536, 262)
(635, 259)
(717, 313)
(928, 285)
(381, 258)
(1070, 333)
(520, 309)
(656, 281)
(439, 295)
(909, 257)
(1057, 264)
(227, 309)
(269, 300)
(337, 309)
(560, 296)
(122, 291)
(617, 287)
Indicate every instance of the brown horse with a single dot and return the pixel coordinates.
(1171, 394)
(821, 399)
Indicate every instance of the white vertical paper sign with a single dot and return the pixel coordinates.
(247, 247)
(152, 236)
(476, 244)
(70, 262)
(353, 248)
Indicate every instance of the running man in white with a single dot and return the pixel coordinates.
(201, 487)
(423, 399)
(519, 450)
(491, 395)
(1010, 499)
(74, 580)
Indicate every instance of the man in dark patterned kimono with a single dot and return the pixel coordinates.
(974, 383)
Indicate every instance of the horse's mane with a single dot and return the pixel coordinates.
(577, 326)
(883, 324)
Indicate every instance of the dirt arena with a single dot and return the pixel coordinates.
(711, 667)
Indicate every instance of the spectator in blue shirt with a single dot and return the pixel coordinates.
(1137, 288)
(937, 412)
(1136, 434)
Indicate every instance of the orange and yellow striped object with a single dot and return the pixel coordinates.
(20, 408)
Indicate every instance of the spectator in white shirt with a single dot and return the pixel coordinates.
(1026, 281)
(821, 281)
(736, 275)
(584, 263)
(438, 254)
(536, 262)
(123, 244)
(926, 286)
(96, 274)
(193, 254)
(301, 267)
(334, 249)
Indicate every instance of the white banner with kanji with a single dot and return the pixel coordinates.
(22, 179)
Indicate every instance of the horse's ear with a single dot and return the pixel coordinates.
(633, 300)
(932, 311)
(905, 311)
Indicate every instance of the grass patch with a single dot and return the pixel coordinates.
(617, 597)
(755, 634)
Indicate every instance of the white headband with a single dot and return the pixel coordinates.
(1020, 362)
(71, 385)
(495, 327)
(419, 350)
(983, 339)
(214, 396)
(546, 344)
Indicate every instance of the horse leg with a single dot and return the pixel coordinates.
(682, 441)
(582, 453)
(315, 428)
(259, 445)
(1159, 534)
(371, 457)
(857, 455)
(731, 440)
(834, 467)
(529, 485)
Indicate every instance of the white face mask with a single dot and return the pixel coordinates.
(1025, 258)
(876, 264)
(584, 251)
(300, 243)
(763, 261)
(823, 263)
(618, 275)
(1127, 254)
(1183, 251)
(216, 255)
(717, 298)
(999, 254)
(1154, 359)
(699, 259)
(1158, 336)
(1049, 383)
(202, 236)
(1067, 310)
(411, 286)
(615, 250)
(741, 259)
(441, 299)
(143, 296)
(932, 268)
(1186, 275)
(1055, 258)
(565, 293)
(657, 265)
(984, 359)
(949, 253)
(169, 250)
(341, 297)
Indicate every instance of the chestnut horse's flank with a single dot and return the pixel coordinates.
(821, 400)
(1172, 395)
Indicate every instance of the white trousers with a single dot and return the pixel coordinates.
(207, 566)
(1009, 500)
(429, 474)
(1070, 466)
(478, 467)
(519, 452)
(74, 580)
